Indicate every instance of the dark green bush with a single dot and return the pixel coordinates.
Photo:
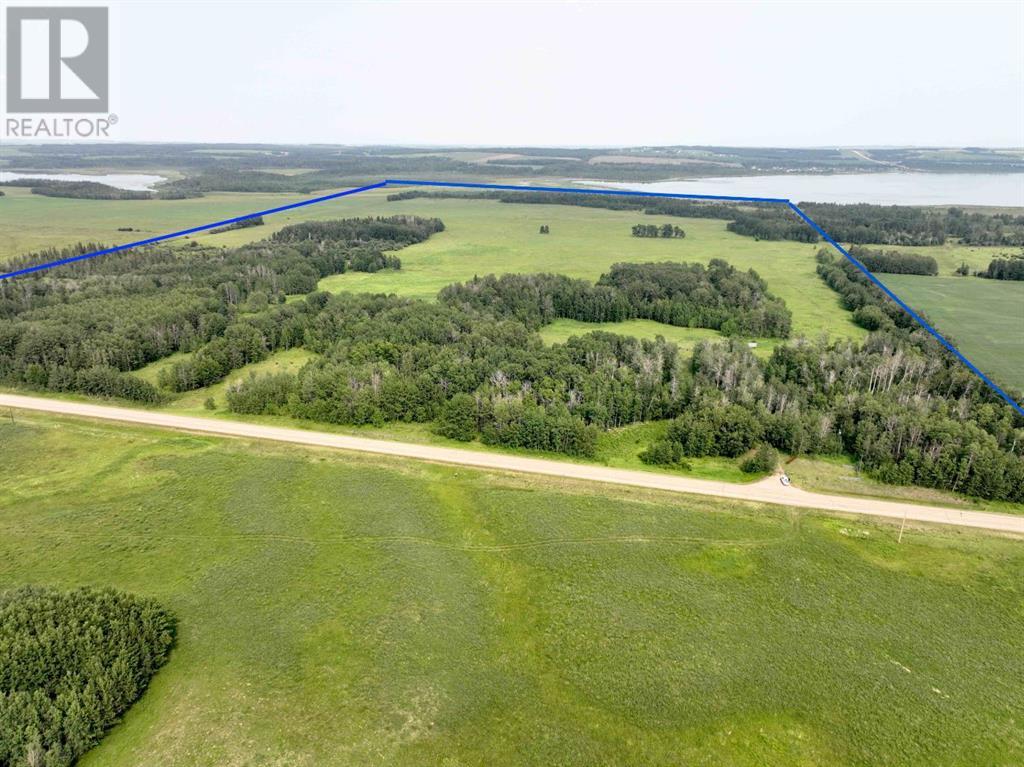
(71, 663)
(458, 419)
(869, 317)
(761, 461)
(664, 453)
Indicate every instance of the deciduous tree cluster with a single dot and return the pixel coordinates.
(384, 358)
(895, 262)
(1005, 269)
(906, 409)
(84, 326)
(685, 295)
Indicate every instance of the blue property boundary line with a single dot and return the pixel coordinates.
(192, 230)
(513, 188)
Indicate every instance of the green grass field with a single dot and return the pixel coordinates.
(335, 609)
(952, 254)
(984, 319)
(32, 222)
(485, 237)
(686, 339)
(482, 237)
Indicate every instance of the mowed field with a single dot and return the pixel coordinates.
(984, 319)
(336, 609)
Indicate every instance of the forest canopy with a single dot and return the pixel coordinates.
(473, 365)
(71, 664)
(717, 296)
(84, 326)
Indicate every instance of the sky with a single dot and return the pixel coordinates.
(582, 74)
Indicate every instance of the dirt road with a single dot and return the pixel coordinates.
(769, 490)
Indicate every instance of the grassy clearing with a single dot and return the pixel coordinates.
(484, 237)
(343, 610)
(983, 318)
(952, 254)
(287, 361)
(686, 339)
(32, 222)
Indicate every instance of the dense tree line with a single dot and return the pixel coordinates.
(906, 409)
(82, 190)
(401, 229)
(685, 295)
(718, 296)
(902, 225)
(859, 224)
(71, 664)
(84, 326)
(895, 262)
(354, 244)
(245, 223)
(871, 310)
(881, 225)
(647, 205)
(1005, 269)
(771, 224)
(907, 412)
(666, 231)
(385, 358)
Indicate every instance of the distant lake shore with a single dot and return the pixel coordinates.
(887, 188)
(134, 182)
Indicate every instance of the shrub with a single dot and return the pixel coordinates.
(663, 453)
(761, 461)
(869, 317)
(260, 394)
(458, 418)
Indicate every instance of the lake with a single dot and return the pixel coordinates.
(135, 182)
(992, 189)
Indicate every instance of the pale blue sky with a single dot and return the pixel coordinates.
(812, 74)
